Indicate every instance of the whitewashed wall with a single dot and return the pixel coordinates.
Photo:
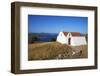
(75, 41)
(62, 39)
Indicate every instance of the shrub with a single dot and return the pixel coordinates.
(53, 39)
(32, 39)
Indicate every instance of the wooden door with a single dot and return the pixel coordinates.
(69, 41)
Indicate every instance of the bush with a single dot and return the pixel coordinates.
(32, 39)
(86, 36)
(53, 39)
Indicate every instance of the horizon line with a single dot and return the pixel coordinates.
(56, 32)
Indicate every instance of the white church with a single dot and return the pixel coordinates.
(71, 38)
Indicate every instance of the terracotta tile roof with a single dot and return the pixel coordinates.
(72, 33)
(65, 33)
(75, 34)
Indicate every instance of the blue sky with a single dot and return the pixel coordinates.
(55, 24)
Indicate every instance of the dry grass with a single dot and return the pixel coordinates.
(84, 49)
(53, 50)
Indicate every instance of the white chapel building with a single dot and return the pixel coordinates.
(71, 38)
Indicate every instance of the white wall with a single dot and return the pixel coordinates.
(5, 50)
(75, 41)
(61, 38)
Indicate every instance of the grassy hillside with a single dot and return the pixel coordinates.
(54, 50)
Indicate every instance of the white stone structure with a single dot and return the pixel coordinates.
(71, 38)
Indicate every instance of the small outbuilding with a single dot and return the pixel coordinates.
(71, 38)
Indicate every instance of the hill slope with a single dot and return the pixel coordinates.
(54, 50)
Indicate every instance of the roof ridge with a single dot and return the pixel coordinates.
(73, 33)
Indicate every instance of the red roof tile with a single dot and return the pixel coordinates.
(72, 33)
(65, 33)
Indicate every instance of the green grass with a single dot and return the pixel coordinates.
(53, 50)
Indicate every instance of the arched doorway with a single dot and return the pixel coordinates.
(69, 41)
